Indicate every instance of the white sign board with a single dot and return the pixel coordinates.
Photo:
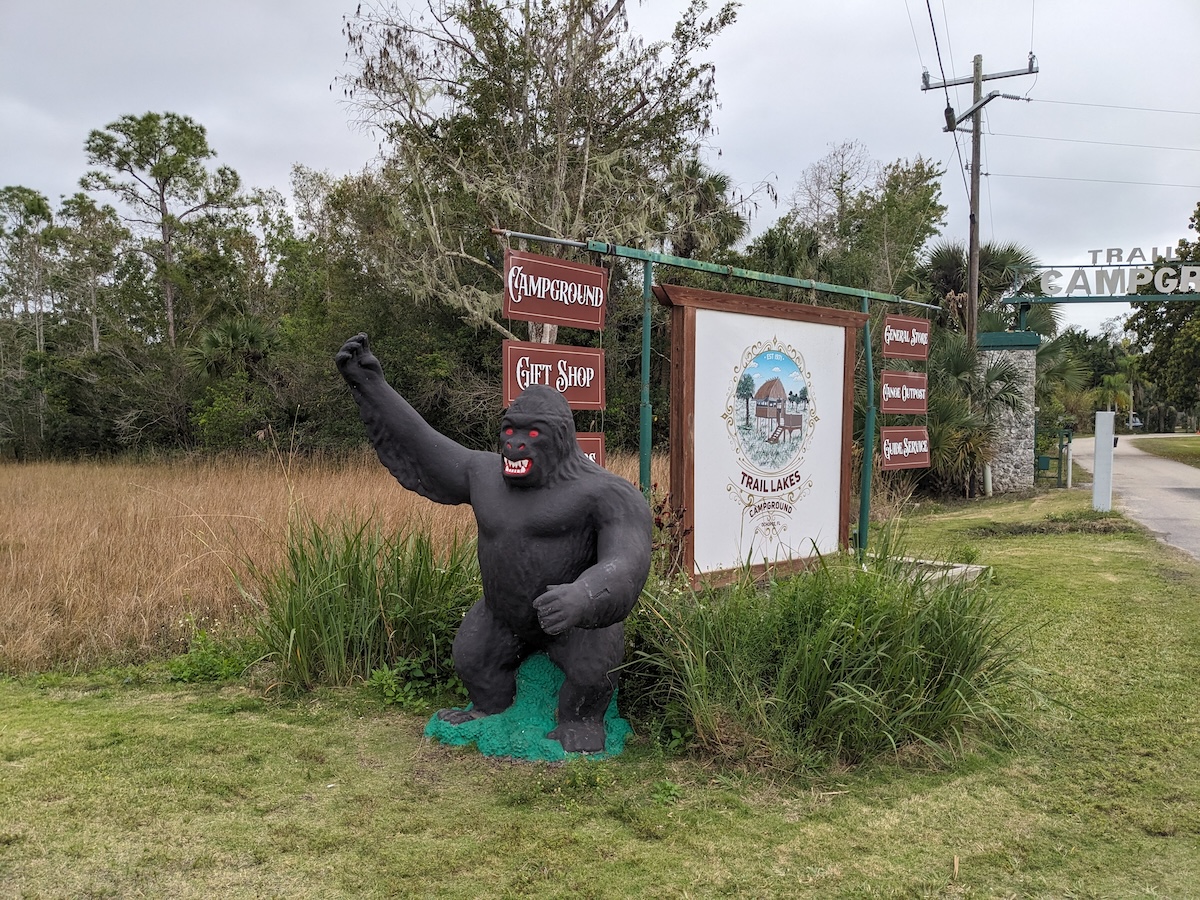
(767, 421)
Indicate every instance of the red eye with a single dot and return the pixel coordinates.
(533, 432)
(508, 431)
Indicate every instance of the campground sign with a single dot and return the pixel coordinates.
(545, 289)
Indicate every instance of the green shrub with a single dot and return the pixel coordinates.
(348, 601)
(842, 662)
(209, 659)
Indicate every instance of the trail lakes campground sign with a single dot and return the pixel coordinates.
(762, 396)
(1115, 272)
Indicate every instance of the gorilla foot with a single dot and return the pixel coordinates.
(579, 737)
(460, 716)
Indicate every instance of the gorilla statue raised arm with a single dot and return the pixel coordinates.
(564, 546)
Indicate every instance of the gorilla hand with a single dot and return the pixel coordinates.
(561, 607)
(356, 362)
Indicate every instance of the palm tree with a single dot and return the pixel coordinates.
(703, 216)
(966, 401)
(1113, 391)
(232, 345)
(1005, 270)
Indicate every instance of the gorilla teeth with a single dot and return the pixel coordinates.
(517, 466)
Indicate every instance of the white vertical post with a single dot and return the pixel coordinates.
(1103, 466)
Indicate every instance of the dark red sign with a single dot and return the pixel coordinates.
(905, 337)
(545, 289)
(592, 445)
(575, 372)
(905, 393)
(904, 448)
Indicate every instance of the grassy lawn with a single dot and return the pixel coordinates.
(122, 784)
(1181, 449)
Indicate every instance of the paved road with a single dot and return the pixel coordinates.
(1161, 494)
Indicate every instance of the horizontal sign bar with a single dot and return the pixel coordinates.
(905, 448)
(905, 337)
(546, 289)
(904, 393)
(1107, 298)
(575, 372)
(592, 445)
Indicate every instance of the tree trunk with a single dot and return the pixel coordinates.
(543, 332)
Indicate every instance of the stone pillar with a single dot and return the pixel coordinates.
(1014, 460)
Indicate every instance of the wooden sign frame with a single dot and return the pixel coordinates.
(688, 305)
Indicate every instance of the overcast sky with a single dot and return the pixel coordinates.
(795, 78)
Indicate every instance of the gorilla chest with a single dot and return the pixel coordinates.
(546, 529)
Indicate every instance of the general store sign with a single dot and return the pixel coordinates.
(905, 447)
(904, 393)
(546, 289)
(905, 337)
(575, 372)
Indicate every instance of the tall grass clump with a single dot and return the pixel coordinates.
(348, 599)
(837, 664)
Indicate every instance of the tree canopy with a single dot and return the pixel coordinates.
(1169, 334)
(547, 117)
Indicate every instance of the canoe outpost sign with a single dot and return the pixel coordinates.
(1115, 272)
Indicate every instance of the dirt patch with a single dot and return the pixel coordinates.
(1080, 524)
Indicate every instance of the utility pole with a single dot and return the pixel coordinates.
(973, 252)
(975, 112)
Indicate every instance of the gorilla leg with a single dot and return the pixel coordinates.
(486, 655)
(587, 657)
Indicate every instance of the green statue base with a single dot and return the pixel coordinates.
(520, 731)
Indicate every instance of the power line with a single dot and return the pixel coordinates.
(920, 58)
(962, 167)
(950, 47)
(1037, 137)
(1177, 112)
(1094, 180)
(991, 203)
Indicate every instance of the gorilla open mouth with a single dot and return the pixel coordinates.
(517, 467)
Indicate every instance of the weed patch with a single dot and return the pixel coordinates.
(840, 663)
(350, 601)
(1075, 522)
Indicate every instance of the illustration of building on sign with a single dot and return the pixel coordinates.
(777, 408)
(769, 418)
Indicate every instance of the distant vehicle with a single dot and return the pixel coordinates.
(1135, 421)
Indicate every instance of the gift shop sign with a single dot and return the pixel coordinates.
(545, 289)
(905, 448)
(575, 372)
(904, 393)
(905, 337)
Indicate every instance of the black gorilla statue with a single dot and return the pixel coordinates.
(564, 546)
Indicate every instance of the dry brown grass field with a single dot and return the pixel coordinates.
(110, 562)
